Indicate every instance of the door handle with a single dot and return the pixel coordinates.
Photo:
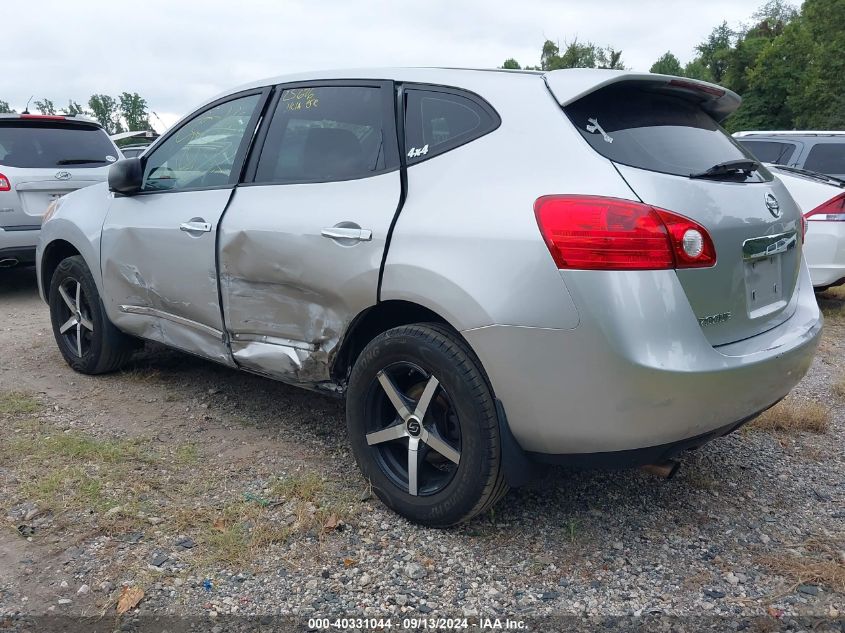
(347, 233)
(195, 226)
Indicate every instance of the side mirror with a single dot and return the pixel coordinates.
(126, 176)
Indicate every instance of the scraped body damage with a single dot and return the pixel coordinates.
(168, 294)
(289, 293)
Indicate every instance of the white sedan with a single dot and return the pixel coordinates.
(822, 200)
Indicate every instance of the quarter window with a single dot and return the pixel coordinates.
(827, 158)
(439, 120)
(330, 133)
(202, 152)
(770, 151)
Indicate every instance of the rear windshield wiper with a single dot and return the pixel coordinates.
(80, 161)
(729, 168)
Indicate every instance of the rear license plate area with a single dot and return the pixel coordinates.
(35, 203)
(764, 285)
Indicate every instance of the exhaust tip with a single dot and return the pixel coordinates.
(8, 262)
(665, 470)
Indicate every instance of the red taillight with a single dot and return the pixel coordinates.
(831, 211)
(4, 183)
(595, 233)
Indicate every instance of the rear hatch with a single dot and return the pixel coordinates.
(663, 136)
(43, 158)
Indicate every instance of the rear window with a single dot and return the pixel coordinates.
(827, 158)
(39, 145)
(654, 130)
(770, 151)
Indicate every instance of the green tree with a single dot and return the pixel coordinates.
(696, 69)
(770, 22)
(818, 99)
(772, 82)
(578, 55)
(73, 109)
(774, 16)
(667, 64)
(106, 110)
(715, 50)
(511, 64)
(5, 108)
(45, 106)
(133, 108)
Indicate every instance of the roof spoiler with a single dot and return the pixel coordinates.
(569, 85)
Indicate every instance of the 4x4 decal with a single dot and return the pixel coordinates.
(416, 153)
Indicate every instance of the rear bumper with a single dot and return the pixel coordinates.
(638, 373)
(18, 245)
(638, 456)
(824, 251)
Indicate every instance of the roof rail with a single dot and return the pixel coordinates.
(789, 133)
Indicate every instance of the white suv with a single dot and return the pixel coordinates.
(41, 159)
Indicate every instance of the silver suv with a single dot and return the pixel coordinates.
(41, 159)
(494, 269)
(822, 152)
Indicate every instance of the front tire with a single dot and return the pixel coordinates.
(423, 427)
(88, 341)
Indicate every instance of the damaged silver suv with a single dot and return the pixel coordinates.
(495, 269)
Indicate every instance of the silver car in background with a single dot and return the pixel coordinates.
(495, 269)
(818, 151)
(43, 158)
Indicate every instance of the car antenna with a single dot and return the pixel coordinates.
(26, 108)
(159, 120)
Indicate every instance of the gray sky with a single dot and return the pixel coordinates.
(184, 51)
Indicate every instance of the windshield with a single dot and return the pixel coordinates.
(54, 144)
(654, 130)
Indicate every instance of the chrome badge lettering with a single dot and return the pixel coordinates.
(713, 319)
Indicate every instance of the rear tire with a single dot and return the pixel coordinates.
(88, 341)
(458, 471)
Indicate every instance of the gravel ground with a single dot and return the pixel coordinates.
(218, 493)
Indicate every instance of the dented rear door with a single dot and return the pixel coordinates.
(301, 245)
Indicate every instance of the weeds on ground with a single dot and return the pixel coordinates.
(71, 471)
(290, 506)
(142, 374)
(187, 454)
(15, 403)
(118, 486)
(792, 416)
(838, 388)
(832, 304)
(817, 561)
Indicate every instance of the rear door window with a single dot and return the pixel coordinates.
(654, 130)
(438, 120)
(827, 158)
(329, 133)
(770, 151)
(47, 145)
